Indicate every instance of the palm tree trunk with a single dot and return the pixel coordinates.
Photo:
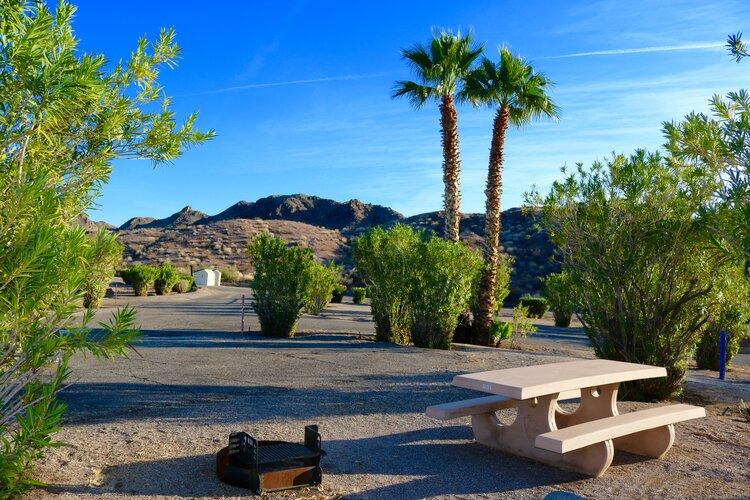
(451, 167)
(486, 306)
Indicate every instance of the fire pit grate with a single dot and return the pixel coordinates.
(270, 465)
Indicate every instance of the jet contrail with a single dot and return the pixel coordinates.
(292, 82)
(641, 50)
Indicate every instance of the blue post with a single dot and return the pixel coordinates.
(722, 353)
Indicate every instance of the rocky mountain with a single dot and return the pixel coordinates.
(136, 222)
(310, 210)
(190, 237)
(92, 226)
(184, 217)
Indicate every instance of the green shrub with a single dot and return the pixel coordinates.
(182, 286)
(280, 284)
(500, 330)
(384, 260)
(708, 351)
(537, 306)
(732, 312)
(504, 269)
(466, 331)
(419, 285)
(140, 277)
(337, 295)
(323, 281)
(230, 275)
(441, 288)
(166, 278)
(359, 293)
(559, 292)
(104, 253)
(185, 284)
(641, 262)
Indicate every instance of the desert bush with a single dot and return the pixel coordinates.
(416, 283)
(166, 278)
(440, 289)
(500, 330)
(140, 277)
(104, 254)
(536, 306)
(229, 275)
(641, 263)
(518, 327)
(185, 284)
(67, 115)
(337, 295)
(504, 269)
(383, 259)
(182, 286)
(359, 293)
(323, 282)
(730, 298)
(559, 293)
(280, 284)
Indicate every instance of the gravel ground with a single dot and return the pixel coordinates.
(149, 426)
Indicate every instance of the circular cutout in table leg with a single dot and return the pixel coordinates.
(592, 460)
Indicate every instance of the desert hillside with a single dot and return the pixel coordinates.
(190, 237)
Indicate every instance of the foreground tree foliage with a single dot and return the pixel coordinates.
(644, 271)
(720, 143)
(440, 68)
(64, 118)
(519, 95)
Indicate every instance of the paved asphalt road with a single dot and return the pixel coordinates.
(220, 309)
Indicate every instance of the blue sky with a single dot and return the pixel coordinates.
(299, 93)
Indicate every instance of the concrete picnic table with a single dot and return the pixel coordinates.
(583, 440)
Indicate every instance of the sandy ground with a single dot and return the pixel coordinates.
(149, 426)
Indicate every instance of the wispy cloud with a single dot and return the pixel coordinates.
(251, 86)
(641, 50)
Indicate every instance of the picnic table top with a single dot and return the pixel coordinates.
(540, 380)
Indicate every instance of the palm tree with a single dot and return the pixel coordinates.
(519, 93)
(440, 69)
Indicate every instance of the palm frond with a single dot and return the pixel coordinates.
(419, 60)
(417, 94)
(439, 66)
(511, 83)
(737, 47)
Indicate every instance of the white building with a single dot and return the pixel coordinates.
(207, 277)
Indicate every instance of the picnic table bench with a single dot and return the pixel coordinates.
(583, 440)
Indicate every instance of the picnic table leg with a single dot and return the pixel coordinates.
(651, 443)
(596, 402)
(537, 416)
(601, 402)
